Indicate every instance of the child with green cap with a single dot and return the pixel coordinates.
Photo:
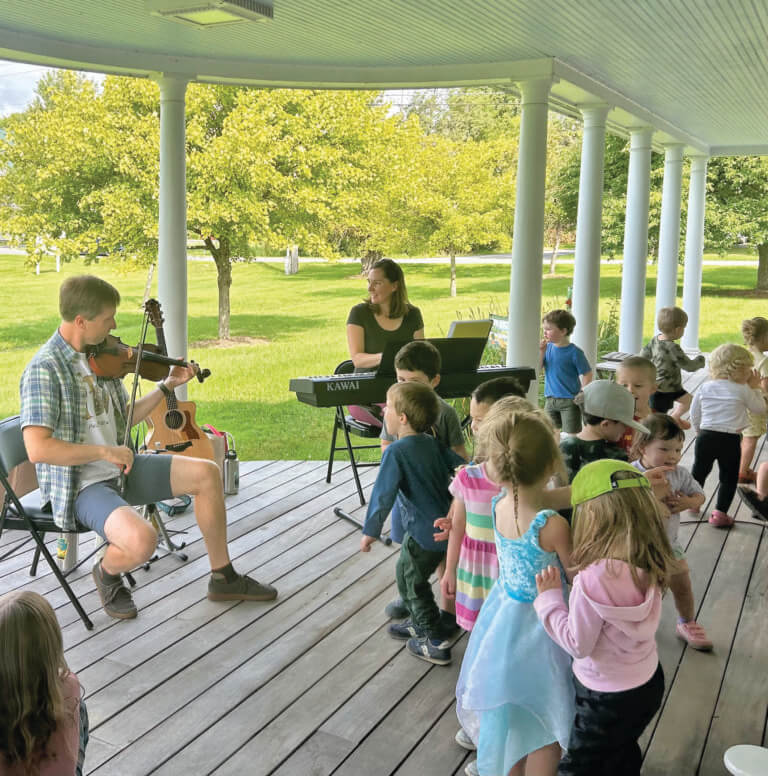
(623, 561)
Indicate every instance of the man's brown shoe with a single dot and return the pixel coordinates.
(115, 597)
(242, 589)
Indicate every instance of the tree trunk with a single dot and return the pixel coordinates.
(453, 274)
(555, 249)
(223, 258)
(762, 267)
(368, 259)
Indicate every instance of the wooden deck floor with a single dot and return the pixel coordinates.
(311, 684)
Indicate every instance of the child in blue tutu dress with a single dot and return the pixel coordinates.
(515, 696)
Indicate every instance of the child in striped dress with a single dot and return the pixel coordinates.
(471, 566)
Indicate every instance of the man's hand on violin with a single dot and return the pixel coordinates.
(178, 375)
(121, 456)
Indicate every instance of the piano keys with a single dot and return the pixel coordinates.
(370, 388)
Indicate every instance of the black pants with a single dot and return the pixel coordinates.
(663, 401)
(607, 725)
(83, 738)
(724, 448)
(414, 568)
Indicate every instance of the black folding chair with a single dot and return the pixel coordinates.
(23, 513)
(349, 425)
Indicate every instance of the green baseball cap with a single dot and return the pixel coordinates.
(598, 477)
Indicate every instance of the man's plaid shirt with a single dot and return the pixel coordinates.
(51, 396)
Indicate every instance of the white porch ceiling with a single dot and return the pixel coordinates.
(696, 70)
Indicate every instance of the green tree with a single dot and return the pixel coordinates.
(616, 173)
(492, 114)
(562, 191)
(364, 215)
(54, 159)
(462, 197)
(737, 192)
(469, 113)
(79, 169)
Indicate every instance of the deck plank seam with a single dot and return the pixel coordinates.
(190, 634)
(195, 551)
(247, 658)
(373, 595)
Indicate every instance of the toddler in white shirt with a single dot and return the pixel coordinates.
(718, 415)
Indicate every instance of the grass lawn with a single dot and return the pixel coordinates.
(297, 323)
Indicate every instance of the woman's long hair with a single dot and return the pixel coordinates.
(398, 302)
(32, 669)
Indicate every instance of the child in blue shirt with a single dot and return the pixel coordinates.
(566, 370)
(415, 472)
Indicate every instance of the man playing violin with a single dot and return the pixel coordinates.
(74, 423)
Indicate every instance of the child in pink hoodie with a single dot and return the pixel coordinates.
(623, 560)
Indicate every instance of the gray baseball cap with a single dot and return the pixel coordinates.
(609, 400)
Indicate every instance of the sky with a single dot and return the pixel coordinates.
(17, 85)
(18, 80)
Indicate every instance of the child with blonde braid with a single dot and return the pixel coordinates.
(755, 333)
(43, 721)
(514, 696)
(623, 561)
(471, 566)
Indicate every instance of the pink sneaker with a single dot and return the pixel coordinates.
(692, 633)
(720, 519)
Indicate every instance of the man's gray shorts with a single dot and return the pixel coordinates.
(148, 481)
(565, 414)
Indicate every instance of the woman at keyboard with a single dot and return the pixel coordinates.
(386, 316)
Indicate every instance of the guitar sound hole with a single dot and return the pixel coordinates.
(174, 420)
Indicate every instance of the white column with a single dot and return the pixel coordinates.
(586, 272)
(694, 250)
(635, 241)
(528, 236)
(172, 250)
(669, 231)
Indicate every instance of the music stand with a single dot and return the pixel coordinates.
(457, 354)
(386, 367)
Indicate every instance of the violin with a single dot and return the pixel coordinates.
(113, 358)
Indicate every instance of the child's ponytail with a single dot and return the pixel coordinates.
(754, 330)
(517, 443)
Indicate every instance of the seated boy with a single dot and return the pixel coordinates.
(419, 361)
(415, 473)
(638, 376)
(669, 358)
(566, 370)
(607, 410)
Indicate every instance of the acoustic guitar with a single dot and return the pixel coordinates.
(172, 425)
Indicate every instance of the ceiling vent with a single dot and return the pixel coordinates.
(207, 14)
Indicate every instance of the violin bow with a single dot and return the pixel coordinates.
(129, 419)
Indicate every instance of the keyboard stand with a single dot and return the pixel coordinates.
(339, 512)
